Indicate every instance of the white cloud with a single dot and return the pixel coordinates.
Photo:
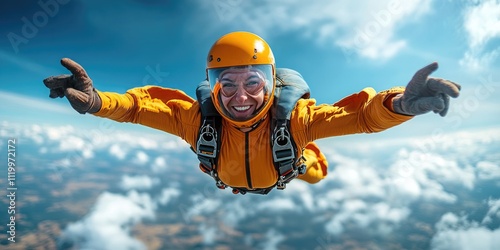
(493, 212)
(76, 144)
(208, 233)
(421, 173)
(63, 163)
(478, 60)
(168, 194)
(235, 211)
(71, 142)
(470, 238)
(118, 151)
(139, 182)
(365, 28)
(59, 132)
(455, 232)
(108, 224)
(201, 205)
(277, 205)
(146, 143)
(358, 178)
(174, 144)
(358, 212)
(488, 170)
(272, 240)
(35, 132)
(159, 165)
(303, 190)
(141, 158)
(61, 139)
(482, 24)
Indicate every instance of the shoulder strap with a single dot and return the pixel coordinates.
(203, 95)
(208, 144)
(290, 87)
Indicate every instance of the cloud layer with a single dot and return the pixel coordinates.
(458, 232)
(378, 193)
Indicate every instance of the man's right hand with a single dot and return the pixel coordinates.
(77, 88)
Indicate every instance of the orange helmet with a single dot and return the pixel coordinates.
(238, 50)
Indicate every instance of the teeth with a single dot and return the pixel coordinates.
(243, 108)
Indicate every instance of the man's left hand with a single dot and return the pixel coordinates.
(424, 94)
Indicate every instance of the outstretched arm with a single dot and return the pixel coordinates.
(363, 112)
(165, 109)
(368, 111)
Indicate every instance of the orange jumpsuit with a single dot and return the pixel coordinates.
(245, 158)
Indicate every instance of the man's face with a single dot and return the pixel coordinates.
(242, 91)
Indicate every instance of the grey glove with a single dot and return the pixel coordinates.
(77, 88)
(424, 94)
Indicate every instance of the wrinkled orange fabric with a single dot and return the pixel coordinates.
(245, 158)
(316, 163)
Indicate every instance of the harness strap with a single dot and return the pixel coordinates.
(285, 153)
(207, 147)
(290, 87)
(252, 191)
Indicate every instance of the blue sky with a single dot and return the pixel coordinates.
(340, 47)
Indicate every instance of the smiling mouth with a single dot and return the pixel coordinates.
(241, 108)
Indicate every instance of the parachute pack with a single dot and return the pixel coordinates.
(290, 87)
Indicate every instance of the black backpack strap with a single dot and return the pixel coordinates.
(209, 139)
(290, 87)
(204, 97)
(284, 153)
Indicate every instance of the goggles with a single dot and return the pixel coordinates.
(252, 78)
(252, 82)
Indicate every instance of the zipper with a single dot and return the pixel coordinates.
(247, 162)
